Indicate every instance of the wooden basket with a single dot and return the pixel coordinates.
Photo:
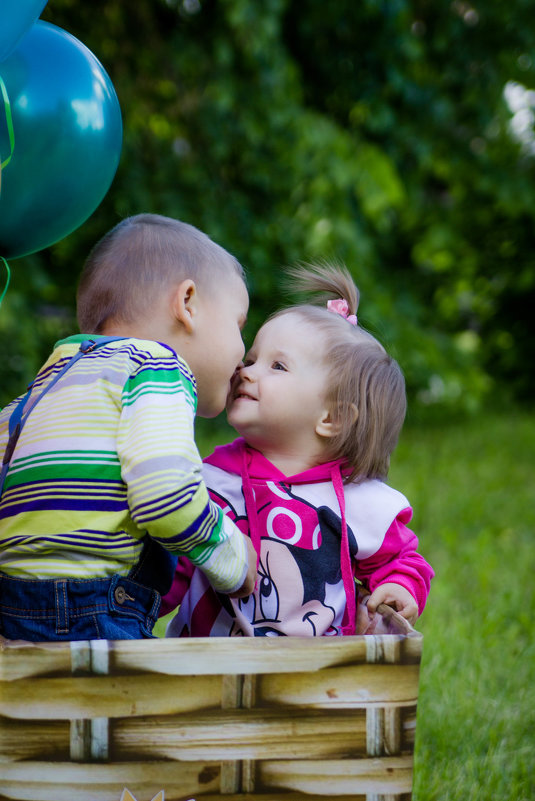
(247, 719)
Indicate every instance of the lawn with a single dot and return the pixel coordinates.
(472, 488)
(471, 485)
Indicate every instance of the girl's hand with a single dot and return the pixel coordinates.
(396, 596)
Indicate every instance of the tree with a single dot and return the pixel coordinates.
(375, 133)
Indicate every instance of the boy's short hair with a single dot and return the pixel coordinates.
(132, 264)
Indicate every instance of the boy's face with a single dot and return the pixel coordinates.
(222, 313)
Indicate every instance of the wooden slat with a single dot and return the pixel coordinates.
(356, 686)
(20, 659)
(336, 777)
(125, 696)
(46, 781)
(281, 795)
(62, 781)
(30, 739)
(108, 696)
(332, 733)
(201, 655)
(247, 734)
(248, 654)
(231, 655)
(197, 656)
(142, 795)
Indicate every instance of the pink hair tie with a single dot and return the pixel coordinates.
(339, 306)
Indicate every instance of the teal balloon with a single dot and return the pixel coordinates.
(16, 18)
(67, 139)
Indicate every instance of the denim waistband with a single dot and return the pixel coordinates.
(58, 600)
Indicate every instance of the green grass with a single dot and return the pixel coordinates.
(472, 488)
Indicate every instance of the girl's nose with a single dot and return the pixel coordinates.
(236, 373)
(246, 372)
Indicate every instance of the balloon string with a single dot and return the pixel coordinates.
(9, 123)
(7, 279)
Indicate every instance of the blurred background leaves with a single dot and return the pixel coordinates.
(393, 135)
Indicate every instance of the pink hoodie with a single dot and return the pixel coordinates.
(313, 535)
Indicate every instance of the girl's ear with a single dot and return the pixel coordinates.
(184, 304)
(327, 426)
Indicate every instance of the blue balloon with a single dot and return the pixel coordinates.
(67, 139)
(17, 17)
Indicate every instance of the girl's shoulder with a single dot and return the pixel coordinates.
(373, 491)
(371, 508)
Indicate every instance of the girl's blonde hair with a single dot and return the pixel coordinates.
(365, 386)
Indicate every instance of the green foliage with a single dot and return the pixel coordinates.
(373, 133)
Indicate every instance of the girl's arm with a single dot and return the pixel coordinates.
(179, 587)
(397, 562)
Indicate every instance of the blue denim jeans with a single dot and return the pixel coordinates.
(116, 608)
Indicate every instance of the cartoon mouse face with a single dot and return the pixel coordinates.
(300, 586)
(277, 607)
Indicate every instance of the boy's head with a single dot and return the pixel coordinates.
(153, 277)
(140, 259)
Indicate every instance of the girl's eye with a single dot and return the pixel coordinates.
(247, 362)
(278, 366)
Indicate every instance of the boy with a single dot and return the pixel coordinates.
(104, 487)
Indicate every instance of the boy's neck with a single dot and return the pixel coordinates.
(157, 329)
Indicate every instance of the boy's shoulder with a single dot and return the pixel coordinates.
(124, 359)
(148, 348)
(135, 348)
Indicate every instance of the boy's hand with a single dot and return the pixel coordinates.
(396, 596)
(250, 579)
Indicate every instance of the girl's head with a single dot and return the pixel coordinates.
(315, 386)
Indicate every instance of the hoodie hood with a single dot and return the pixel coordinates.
(238, 456)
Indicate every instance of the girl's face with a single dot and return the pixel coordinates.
(277, 399)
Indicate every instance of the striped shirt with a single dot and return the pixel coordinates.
(105, 457)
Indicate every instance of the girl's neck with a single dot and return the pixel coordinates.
(290, 463)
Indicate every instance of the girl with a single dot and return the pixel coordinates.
(319, 405)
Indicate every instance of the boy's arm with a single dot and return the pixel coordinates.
(397, 562)
(161, 467)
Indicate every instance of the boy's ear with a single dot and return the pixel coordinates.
(328, 426)
(184, 304)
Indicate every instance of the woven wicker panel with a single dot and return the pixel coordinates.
(247, 718)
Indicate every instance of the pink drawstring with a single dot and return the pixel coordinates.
(250, 508)
(345, 556)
